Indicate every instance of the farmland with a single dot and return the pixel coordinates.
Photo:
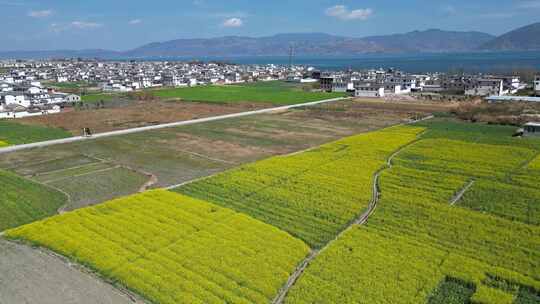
(13, 133)
(23, 201)
(275, 93)
(207, 255)
(177, 155)
(85, 180)
(301, 193)
(120, 114)
(478, 250)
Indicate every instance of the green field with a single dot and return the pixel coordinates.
(275, 93)
(174, 249)
(23, 201)
(13, 133)
(280, 190)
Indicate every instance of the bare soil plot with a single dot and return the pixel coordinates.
(135, 114)
(34, 277)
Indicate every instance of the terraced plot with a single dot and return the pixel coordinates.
(174, 249)
(312, 195)
(23, 201)
(419, 245)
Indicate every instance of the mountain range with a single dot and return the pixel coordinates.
(314, 44)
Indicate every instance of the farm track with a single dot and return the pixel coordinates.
(161, 126)
(360, 220)
(462, 192)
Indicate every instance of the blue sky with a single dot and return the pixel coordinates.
(122, 24)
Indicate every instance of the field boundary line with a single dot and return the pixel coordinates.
(207, 157)
(462, 192)
(65, 169)
(82, 174)
(360, 220)
(161, 126)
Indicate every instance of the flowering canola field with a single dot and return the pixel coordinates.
(174, 249)
(418, 248)
(312, 195)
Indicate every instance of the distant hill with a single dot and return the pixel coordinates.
(315, 44)
(433, 40)
(526, 38)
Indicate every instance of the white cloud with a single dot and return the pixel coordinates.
(75, 25)
(343, 13)
(233, 22)
(40, 14)
(85, 25)
(449, 10)
(135, 21)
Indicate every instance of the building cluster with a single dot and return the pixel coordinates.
(379, 83)
(24, 84)
(24, 91)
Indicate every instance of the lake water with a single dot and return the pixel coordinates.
(413, 63)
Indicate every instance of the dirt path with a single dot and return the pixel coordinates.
(37, 277)
(360, 220)
(460, 194)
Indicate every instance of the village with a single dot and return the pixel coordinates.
(32, 88)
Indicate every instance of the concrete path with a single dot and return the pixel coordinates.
(162, 126)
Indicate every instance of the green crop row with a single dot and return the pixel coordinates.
(312, 195)
(174, 249)
(23, 201)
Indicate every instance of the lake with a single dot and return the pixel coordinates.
(413, 63)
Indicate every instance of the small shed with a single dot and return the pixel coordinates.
(531, 129)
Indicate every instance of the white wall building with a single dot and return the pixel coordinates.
(369, 89)
(537, 85)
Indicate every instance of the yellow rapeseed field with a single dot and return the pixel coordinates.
(174, 249)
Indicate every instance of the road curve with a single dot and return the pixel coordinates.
(161, 126)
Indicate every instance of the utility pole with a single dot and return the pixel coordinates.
(291, 55)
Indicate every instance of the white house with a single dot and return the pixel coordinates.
(15, 98)
(72, 98)
(537, 85)
(531, 129)
(369, 89)
(486, 87)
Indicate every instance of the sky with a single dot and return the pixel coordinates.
(123, 24)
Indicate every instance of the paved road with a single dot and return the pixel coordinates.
(156, 127)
